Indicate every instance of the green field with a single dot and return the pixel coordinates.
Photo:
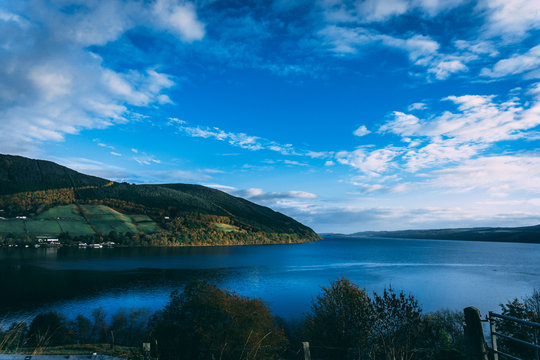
(226, 227)
(68, 218)
(42, 227)
(14, 226)
(75, 228)
(62, 212)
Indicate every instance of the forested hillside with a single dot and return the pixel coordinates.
(183, 214)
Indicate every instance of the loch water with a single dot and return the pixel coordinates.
(440, 274)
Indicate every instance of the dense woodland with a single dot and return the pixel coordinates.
(205, 322)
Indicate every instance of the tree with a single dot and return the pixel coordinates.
(527, 308)
(129, 327)
(205, 322)
(340, 322)
(82, 327)
(397, 322)
(49, 329)
(100, 330)
(442, 336)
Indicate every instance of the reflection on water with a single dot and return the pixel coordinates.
(441, 274)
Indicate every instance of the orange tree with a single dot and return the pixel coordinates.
(205, 322)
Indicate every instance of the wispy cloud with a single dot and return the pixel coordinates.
(242, 140)
(145, 159)
(259, 195)
(517, 64)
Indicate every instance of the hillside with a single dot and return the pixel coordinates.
(526, 234)
(50, 199)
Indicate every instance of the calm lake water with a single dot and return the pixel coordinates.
(441, 274)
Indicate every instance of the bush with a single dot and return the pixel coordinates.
(442, 336)
(527, 309)
(397, 325)
(49, 329)
(205, 322)
(345, 323)
(340, 322)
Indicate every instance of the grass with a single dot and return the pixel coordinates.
(68, 218)
(15, 226)
(42, 227)
(62, 211)
(126, 352)
(226, 227)
(75, 227)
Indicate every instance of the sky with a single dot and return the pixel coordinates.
(346, 115)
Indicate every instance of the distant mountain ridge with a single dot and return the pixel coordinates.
(184, 214)
(525, 234)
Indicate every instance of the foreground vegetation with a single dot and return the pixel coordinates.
(205, 322)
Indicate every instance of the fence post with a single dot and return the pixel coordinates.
(536, 352)
(476, 346)
(492, 330)
(307, 354)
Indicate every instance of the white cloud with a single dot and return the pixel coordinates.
(444, 68)
(480, 120)
(259, 195)
(477, 47)
(180, 18)
(417, 106)
(380, 10)
(294, 163)
(367, 11)
(370, 162)
(93, 167)
(174, 176)
(515, 173)
(421, 50)
(437, 153)
(319, 154)
(225, 188)
(144, 159)
(449, 137)
(517, 64)
(242, 140)
(402, 124)
(46, 94)
(344, 41)
(361, 131)
(511, 18)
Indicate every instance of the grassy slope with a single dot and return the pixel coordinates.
(68, 218)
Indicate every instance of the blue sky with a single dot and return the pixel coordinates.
(347, 115)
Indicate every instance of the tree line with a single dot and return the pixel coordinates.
(205, 322)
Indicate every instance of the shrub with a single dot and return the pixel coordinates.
(527, 309)
(340, 322)
(49, 329)
(398, 319)
(205, 322)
